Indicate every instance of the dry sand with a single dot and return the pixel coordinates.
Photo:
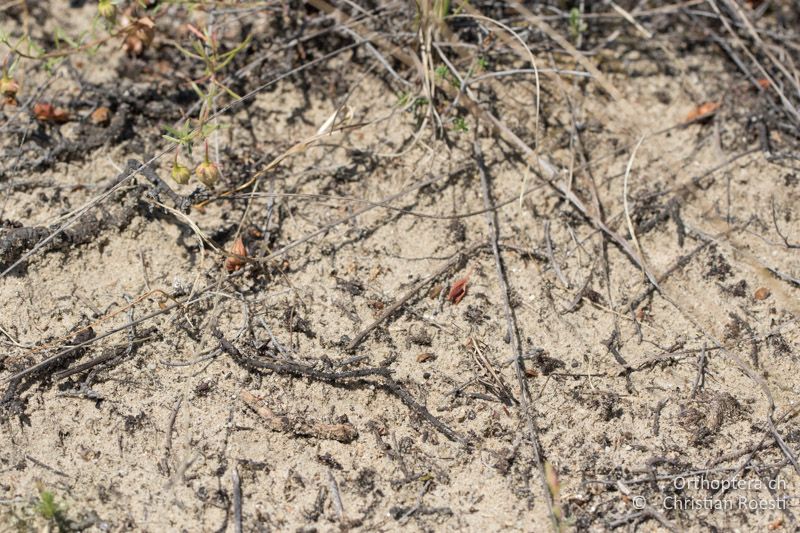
(159, 438)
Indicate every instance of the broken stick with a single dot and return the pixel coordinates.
(297, 426)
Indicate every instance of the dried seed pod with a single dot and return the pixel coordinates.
(140, 36)
(762, 294)
(425, 356)
(232, 263)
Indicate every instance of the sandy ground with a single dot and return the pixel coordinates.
(638, 410)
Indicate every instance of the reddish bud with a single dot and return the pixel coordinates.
(235, 263)
(208, 173)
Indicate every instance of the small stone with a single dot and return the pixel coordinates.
(100, 116)
(762, 294)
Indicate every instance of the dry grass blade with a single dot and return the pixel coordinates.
(628, 220)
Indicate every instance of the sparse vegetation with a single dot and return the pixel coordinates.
(577, 26)
(49, 509)
(361, 265)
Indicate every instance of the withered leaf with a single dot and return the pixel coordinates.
(458, 290)
(703, 110)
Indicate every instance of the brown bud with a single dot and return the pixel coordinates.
(435, 291)
(425, 356)
(235, 263)
(208, 173)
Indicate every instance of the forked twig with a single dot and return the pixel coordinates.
(288, 368)
(513, 333)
